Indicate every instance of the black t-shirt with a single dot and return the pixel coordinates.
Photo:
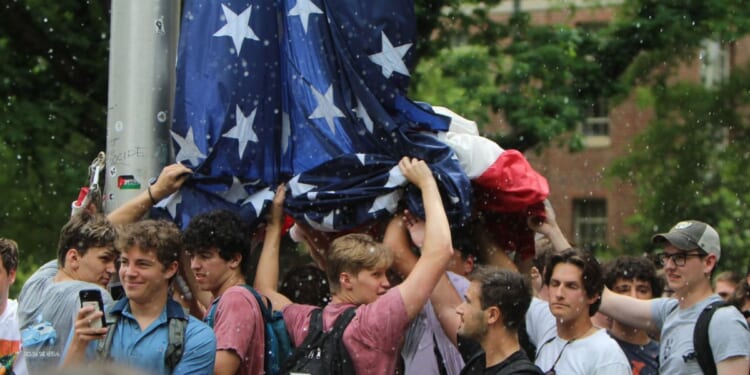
(517, 363)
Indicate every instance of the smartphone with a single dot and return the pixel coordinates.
(93, 297)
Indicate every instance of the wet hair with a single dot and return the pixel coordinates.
(159, 237)
(591, 272)
(633, 268)
(464, 240)
(84, 231)
(306, 284)
(220, 229)
(9, 254)
(506, 289)
(352, 253)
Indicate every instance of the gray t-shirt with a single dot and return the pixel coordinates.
(728, 334)
(46, 312)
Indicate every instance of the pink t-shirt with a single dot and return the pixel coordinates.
(238, 325)
(374, 336)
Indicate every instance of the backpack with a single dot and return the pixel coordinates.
(701, 345)
(175, 340)
(323, 353)
(278, 347)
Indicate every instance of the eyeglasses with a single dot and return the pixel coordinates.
(678, 259)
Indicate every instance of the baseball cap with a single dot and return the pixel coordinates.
(689, 235)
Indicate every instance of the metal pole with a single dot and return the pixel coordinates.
(142, 57)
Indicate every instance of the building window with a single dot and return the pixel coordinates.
(590, 220)
(715, 65)
(595, 129)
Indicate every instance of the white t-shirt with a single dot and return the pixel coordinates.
(10, 340)
(595, 354)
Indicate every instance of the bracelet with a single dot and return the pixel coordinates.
(153, 201)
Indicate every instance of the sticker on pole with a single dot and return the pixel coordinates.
(128, 182)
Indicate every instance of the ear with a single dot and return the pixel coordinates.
(171, 270)
(345, 280)
(494, 315)
(469, 264)
(593, 299)
(235, 261)
(710, 264)
(11, 277)
(72, 257)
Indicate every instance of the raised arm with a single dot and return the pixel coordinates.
(444, 298)
(437, 250)
(170, 180)
(628, 310)
(548, 226)
(267, 274)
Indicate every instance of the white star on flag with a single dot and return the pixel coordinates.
(362, 113)
(395, 178)
(299, 188)
(258, 199)
(286, 130)
(390, 58)
(188, 149)
(170, 203)
(386, 202)
(243, 130)
(325, 226)
(237, 27)
(236, 192)
(303, 9)
(326, 108)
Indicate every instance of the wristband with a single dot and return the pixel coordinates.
(153, 201)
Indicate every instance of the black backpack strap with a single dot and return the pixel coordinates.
(175, 341)
(342, 362)
(314, 331)
(438, 356)
(520, 367)
(701, 343)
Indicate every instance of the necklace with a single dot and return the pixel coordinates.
(552, 371)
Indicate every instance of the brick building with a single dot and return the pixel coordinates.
(592, 210)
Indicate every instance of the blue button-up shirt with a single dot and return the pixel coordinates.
(145, 349)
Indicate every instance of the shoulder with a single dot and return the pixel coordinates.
(238, 298)
(199, 331)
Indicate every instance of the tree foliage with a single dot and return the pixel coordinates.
(541, 79)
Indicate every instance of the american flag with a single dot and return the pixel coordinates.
(310, 91)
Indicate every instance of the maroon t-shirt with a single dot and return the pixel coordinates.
(374, 336)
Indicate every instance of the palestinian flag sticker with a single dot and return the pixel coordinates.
(128, 182)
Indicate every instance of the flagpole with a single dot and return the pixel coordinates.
(143, 50)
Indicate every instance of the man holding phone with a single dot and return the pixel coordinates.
(141, 336)
(49, 299)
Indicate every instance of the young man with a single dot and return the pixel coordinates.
(49, 299)
(356, 267)
(11, 357)
(494, 307)
(691, 251)
(149, 260)
(219, 247)
(574, 280)
(726, 283)
(635, 277)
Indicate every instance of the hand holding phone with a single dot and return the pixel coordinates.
(93, 297)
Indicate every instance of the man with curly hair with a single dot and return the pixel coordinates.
(635, 277)
(219, 247)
